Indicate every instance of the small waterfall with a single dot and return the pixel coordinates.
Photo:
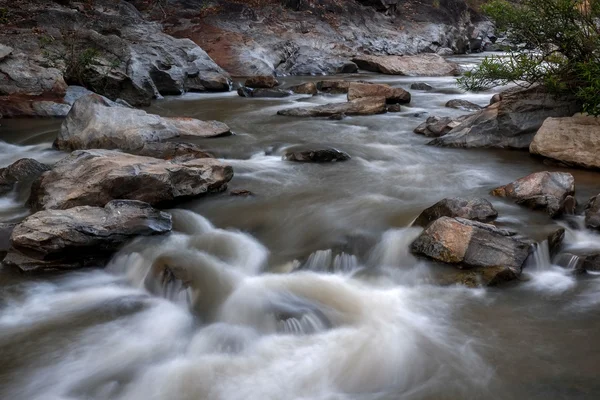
(325, 261)
(541, 256)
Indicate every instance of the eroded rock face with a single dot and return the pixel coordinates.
(463, 105)
(495, 253)
(419, 65)
(81, 236)
(392, 95)
(95, 177)
(436, 126)
(95, 122)
(364, 106)
(265, 82)
(592, 213)
(23, 171)
(573, 141)
(473, 209)
(310, 61)
(541, 190)
(511, 122)
(315, 155)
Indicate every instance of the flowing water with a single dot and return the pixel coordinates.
(305, 290)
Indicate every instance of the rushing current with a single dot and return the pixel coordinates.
(305, 290)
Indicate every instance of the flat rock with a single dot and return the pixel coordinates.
(315, 155)
(23, 171)
(392, 95)
(95, 122)
(509, 123)
(266, 82)
(463, 105)
(419, 65)
(540, 190)
(81, 236)
(304, 88)
(573, 141)
(364, 106)
(95, 177)
(474, 209)
(275, 93)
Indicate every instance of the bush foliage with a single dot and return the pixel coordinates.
(556, 44)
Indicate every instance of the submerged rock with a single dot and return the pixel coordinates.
(305, 88)
(95, 177)
(540, 190)
(436, 126)
(95, 122)
(364, 106)
(493, 255)
(463, 105)
(474, 209)
(315, 155)
(511, 122)
(23, 171)
(574, 141)
(419, 65)
(265, 82)
(276, 93)
(81, 236)
(421, 86)
(392, 95)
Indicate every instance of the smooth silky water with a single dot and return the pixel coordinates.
(305, 290)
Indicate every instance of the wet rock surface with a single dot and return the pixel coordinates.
(274, 93)
(473, 209)
(265, 82)
(435, 126)
(23, 171)
(81, 236)
(364, 106)
(95, 177)
(391, 95)
(316, 155)
(540, 191)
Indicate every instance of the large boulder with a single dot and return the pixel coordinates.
(494, 255)
(263, 81)
(392, 95)
(435, 126)
(23, 171)
(419, 65)
(547, 191)
(319, 155)
(510, 122)
(95, 177)
(573, 141)
(81, 236)
(474, 209)
(592, 213)
(95, 122)
(364, 106)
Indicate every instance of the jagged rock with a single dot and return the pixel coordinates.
(364, 106)
(463, 105)
(474, 209)
(95, 122)
(275, 93)
(592, 213)
(81, 236)
(95, 177)
(392, 95)
(305, 88)
(419, 65)
(421, 86)
(573, 141)
(436, 126)
(541, 190)
(264, 82)
(511, 122)
(315, 155)
(23, 171)
(495, 254)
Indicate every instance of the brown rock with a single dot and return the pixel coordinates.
(262, 82)
(305, 88)
(364, 106)
(474, 209)
(392, 95)
(23, 171)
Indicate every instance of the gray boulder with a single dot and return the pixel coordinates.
(21, 172)
(474, 209)
(364, 106)
(95, 177)
(541, 190)
(315, 155)
(421, 86)
(81, 236)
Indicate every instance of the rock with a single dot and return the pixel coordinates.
(5, 51)
(555, 240)
(463, 105)
(364, 106)
(81, 236)
(496, 98)
(592, 213)
(241, 193)
(95, 177)
(436, 126)
(336, 86)
(305, 88)
(419, 65)
(574, 141)
(473, 209)
(511, 122)
(42, 106)
(95, 122)
(540, 190)
(394, 108)
(264, 82)
(275, 93)
(23, 171)
(392, 95)
(337, 117)
(5, 232)
(315, 155)
(468, 244)
(306, 60)
(421, 86)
